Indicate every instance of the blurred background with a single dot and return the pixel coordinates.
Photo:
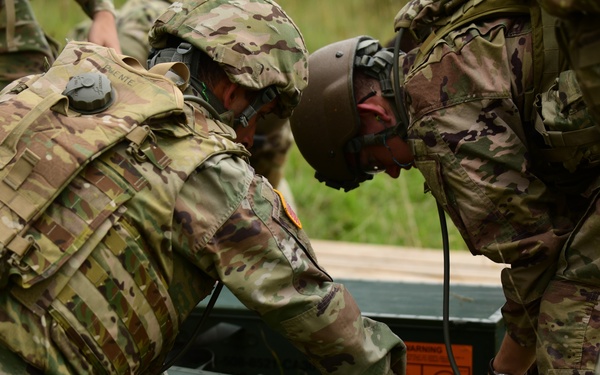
(382, 211)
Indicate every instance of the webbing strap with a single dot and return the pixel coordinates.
(19, 245)
(21, 169)
(9, 140)
(11, 20)
(573, 138)
(546, 58)
(176, 71)
(6, 234)
(16, 201)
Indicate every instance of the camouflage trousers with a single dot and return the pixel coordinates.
(569, 321)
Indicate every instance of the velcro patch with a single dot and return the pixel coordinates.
(289, 211)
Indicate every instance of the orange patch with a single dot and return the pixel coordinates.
(289, 211)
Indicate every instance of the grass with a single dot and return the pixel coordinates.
(382, 211)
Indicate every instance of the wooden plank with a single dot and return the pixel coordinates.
(348, 260)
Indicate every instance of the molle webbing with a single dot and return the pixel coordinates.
(117, 307)
(110, 296)
(11, 19)
(72, 225)
(39, 151)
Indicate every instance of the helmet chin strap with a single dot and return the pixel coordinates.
(380, 138)
(265, 96)
(358, 143)
(379, 63)
(188, 55)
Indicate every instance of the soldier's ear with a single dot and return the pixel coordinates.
(230, 93)
(366, 110)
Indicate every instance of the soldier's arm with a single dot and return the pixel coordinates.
(103, 30)
(134, 20)
(263, 256)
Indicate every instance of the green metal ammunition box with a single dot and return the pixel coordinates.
(235, 341)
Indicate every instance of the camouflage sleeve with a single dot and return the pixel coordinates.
(92, 6)
(259, 251)
(133, 21)
(467, 140)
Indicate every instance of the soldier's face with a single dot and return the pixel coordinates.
(391, 157)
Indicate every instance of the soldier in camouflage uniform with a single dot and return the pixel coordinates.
(139, 237)
(25, 49)
(506, 145)
(273, 139)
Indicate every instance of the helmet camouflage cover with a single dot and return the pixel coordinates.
(255, 42)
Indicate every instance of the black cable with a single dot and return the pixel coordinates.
(205, 104)
(399, 100)
(446, 303)
(398, 91)
(205, 313)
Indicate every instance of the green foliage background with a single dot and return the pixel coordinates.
(382, 211)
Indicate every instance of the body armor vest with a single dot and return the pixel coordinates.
(87, 202)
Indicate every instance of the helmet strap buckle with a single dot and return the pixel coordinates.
(264, 97)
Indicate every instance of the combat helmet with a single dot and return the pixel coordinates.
(255, 42)
(326, 122)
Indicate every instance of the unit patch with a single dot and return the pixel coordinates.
(289, 211)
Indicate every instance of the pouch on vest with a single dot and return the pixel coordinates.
(568, 154)
(579, 37)
(50, 130)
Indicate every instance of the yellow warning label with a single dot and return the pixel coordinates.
(425, 358)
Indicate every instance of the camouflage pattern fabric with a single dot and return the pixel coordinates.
(164, 234)
(580, 41)
(279, 61)
(12, 364)
(92, 6)
(272, 142)
(24, 48)
(134, 19)
(473, 148)
(28, 50)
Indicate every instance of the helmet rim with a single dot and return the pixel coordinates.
(330, 97)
